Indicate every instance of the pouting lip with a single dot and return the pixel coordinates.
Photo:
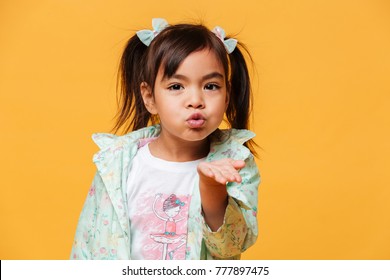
(196, 116)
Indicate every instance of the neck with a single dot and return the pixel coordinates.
(179, 151)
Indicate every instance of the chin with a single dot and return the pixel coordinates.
(196, 136)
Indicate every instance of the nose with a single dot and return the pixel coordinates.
(195, 99)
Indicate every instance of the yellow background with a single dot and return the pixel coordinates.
(322, 100)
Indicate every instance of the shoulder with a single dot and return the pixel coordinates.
(237, 135)
(113, 146)
(107, 140)
(229, 143)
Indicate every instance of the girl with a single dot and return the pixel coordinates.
(180, 188)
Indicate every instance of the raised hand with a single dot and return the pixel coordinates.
(220, 171)
(213, 177)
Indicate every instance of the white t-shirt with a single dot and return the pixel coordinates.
(159, 194)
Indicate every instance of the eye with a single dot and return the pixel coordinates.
(212, 87)
(175, 87)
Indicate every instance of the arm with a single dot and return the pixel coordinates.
(239, 228)
(159, 195)
(99, 234)
(213, 177)
(86, 229)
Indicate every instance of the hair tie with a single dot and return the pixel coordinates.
(178, 202)
(146, 36)
(230, 44)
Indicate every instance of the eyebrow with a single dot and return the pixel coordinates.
(204, 78)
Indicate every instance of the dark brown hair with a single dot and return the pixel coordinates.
(140, 63)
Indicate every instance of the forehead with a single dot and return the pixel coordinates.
(202, 62)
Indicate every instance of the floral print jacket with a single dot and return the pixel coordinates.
(103, 230)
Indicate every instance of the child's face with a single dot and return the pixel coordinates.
(190, 104)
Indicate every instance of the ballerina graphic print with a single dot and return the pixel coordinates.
(172, 240)
(160, 226)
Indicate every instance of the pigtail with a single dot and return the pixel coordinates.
(132, 113)
(240, 105)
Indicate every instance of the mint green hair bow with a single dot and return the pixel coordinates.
(230, 44)
(146, 36)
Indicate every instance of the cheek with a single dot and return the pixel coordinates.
(168, 103)
(222, 105)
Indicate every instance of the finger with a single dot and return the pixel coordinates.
(227, 174)
(222, 171)
(230, 174)
(238, 164)
(220, 177)
(205, 170)
(238, 178)
(233, 176)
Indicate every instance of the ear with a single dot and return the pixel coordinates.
(147, 97)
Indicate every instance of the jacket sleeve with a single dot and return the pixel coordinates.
(239, 229)
(87, 230)
(99, 234)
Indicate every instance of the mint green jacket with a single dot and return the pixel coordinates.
(103, 230)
